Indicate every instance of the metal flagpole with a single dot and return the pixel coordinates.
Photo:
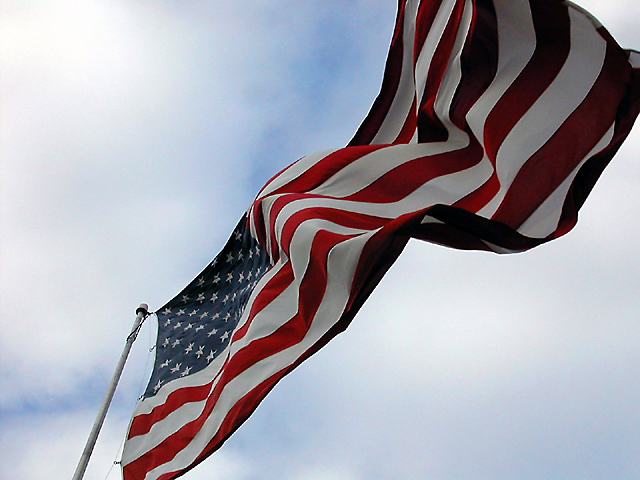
(141, 313)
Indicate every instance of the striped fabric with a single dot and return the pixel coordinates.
(494, 121)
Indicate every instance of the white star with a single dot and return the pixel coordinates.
(200, 351)
(238, 235)
(180, 312)
(200, 297)
(201, 281)
(185, 372)
(250, 274)
(257, 250)
(176, 343)
(229, 257)
(176, 368)
(241, 277)
(177, 325)
(189, 348)
(250, 253)
(201, 327)
(224, 336)
(216, 279)
(240, 256)
(166, 324)
(216, 315)
(215, 262)
(185, 298)
(225, 299)
(188, 327)
(165, 343)
(211, 355)
(166, 311)
(158, 385)
(212, 332)
(193, 312)
(227, 316)
(229, 277)
(204, 315)
(165, 363)
(214, 297)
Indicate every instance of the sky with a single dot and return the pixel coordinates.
(133, 135)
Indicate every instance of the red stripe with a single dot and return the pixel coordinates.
(318, 173)
(274, 287)
(479, 65)
(427, 13)
(542, 69)
(409, 128)
(479, 62)
(237, 415)
(311, 293)
(408, 177)
(430, 128)
(471, 225)
(585, 180)
(552, 28)
(142, 423)
(337, 216)
(551, 165)
(390, 81)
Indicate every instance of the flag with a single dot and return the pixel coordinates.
(494, 121)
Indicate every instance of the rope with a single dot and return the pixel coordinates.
(118, 456)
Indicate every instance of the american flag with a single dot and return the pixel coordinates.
(494, 121)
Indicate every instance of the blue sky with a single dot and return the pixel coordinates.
(132, 137)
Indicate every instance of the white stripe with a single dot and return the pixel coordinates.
(446, 190)
(405, 93)
(341, 262)
(266, 278)
(428, 220)
(294, 171)
(266, 204)
(452, 78)
(594, 21)
(275, 315)
(268, 321)
(361, 173)
(137, 446)
(536, 127)
(205, 375)
(498, 249)
(517, 41)
(434, 36)
(200, 378)
(544, 220)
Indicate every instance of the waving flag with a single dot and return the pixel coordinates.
(494, 121)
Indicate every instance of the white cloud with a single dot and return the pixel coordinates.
(133, 137)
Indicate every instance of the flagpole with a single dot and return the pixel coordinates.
(141, 313)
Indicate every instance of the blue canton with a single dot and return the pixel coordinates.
(196, 326)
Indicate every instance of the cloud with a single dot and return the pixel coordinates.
(134, 136)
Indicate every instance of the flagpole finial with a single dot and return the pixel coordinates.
(143, 308)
